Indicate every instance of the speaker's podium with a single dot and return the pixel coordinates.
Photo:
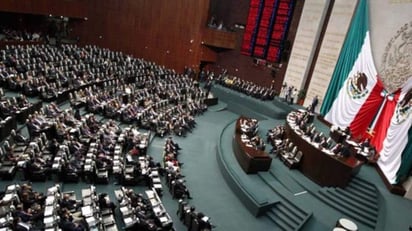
(211, 100)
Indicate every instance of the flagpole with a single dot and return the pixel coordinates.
(378, 114)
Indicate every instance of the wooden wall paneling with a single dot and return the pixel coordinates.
(143, 28)
(208, 55)
(72, 8)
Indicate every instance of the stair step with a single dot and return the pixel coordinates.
(364, 183)
(291, 210)
(288, 182)
(367, 203)
(346, 209)
(356, 211)
(282, 224)
(293, 222)
(359, 185)
(274, 184)
(368, 211)
(368, 196)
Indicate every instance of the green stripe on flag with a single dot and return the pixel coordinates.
(406, 164)
(348, 55)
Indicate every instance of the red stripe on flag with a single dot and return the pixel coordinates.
(384, 122)
(359, 125)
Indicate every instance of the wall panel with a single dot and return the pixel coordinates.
(307, 36)
(334, 37)
(73, 8)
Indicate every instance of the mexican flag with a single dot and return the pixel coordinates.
(356, 98)
(355, 74)
(395, 159)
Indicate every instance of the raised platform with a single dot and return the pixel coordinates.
(246, 105)
(257, 194)
(220, 106)
(251, 159)
(291, 200)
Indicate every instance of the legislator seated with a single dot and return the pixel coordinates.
(364, 150)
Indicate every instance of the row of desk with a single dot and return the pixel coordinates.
(10, 123)
(250, 159)
(319, 165)
(6, 125)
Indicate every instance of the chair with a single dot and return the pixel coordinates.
(7, 170)
(290, 147)
(102, 176)
(195, 225)
(111, 227)
(294, 161)
(128, 175)
(68, 176)
(285, 154)
(188, 218)
(329, 143)
(183, 207)
(39, 175)
(18, 140)
(108, 219)
(8, 147)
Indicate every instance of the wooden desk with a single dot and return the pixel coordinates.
(250, 159)
(322, 168)
(164, 219)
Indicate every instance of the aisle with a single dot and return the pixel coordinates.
(210, 192)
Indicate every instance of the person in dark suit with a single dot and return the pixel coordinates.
(365, 144)
(67, 224)
(208, 86)
(181, 189)
(77, 114)
(317, 137)
(345, 152)
(68, 203)
(204, 222)
(324, 142)
(105, 203)
(337, 148)
(314, 103)
(347, 133)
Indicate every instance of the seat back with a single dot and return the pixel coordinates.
(6, 146)
(298, 156)
(188, 218)
(294, 150)
(195, 225)
(290, 146)
(181, 210)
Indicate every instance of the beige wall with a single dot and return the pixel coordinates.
(386, 17)
(304, 46)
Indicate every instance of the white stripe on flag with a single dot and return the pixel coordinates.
(345, 107)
